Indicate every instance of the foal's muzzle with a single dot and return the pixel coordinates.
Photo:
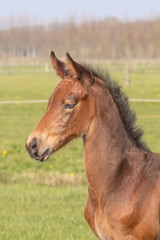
(33, 148)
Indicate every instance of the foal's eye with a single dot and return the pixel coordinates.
(69, 106)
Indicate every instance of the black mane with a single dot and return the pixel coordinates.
(127, 115)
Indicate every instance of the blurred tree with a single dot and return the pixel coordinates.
(102, 39)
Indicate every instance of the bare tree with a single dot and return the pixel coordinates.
(104, 39)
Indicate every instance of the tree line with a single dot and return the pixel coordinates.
(101, 39)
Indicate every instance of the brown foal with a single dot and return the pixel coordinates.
(123, 175)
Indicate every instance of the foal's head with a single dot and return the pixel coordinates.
(67, 115)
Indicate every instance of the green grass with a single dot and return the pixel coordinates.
(27, 86)
(29, 208)
(29, 212)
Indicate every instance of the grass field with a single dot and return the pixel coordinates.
(29, 212)
(46, 200)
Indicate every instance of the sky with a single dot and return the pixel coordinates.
(45, 11)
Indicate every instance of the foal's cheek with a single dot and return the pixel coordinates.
(66, 117)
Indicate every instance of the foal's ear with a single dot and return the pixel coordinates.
(77, 71)
(57, 65)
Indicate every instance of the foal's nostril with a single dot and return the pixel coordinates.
(33, 147)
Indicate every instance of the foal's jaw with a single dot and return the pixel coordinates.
(41, 151)
(41, 146)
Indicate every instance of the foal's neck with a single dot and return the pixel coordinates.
(105, 143)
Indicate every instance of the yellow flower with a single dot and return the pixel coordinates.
(71, 174)
(4, 153)
(156, 89)
(149, 136)
(50, 166)
(158, 95)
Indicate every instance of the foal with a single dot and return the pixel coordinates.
(123, 175)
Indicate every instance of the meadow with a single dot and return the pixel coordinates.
(46, 200)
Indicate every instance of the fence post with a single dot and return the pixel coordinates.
(46, 67)
(135, 66)
(127, 75)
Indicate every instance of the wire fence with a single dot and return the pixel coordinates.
(45, 101)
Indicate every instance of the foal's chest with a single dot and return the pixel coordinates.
(100, 232)
(106, 231)
(102, 227)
